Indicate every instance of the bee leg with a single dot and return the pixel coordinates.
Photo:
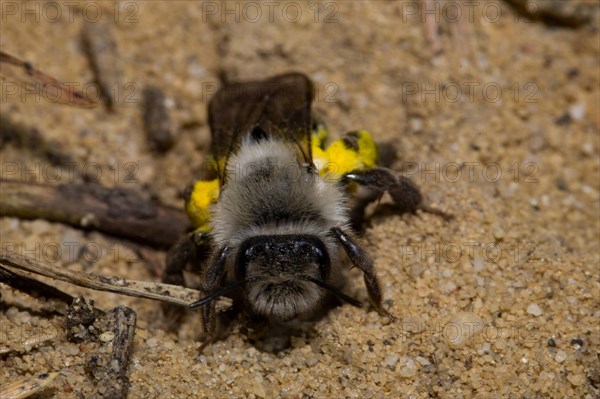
(361, 260)
(178, 257)
(209, 323)
(192, 249)
(405, 193)
(386, 154)
(359, 204)
(213, 275)
(212, 278)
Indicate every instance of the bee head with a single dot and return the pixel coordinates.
(280, 271)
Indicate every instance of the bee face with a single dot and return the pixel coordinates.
(279, 270)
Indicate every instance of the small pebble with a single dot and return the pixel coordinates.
(576, 379)
(560, 356)
(107, 336)
(498, 233)
(391, 360)
(72, 350)
(407, 367)
(534, 309)
(114, 365)
(577, 343)
(258, 390)
(311, 361)
(416, 124)
(501, 344)
(534, 203)
(423, 361)
(577, 111)
(588, 148)
(447, 287)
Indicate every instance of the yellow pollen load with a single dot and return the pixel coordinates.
(337, 159)
(204, 194)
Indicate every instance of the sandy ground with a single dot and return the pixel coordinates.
(500, 128)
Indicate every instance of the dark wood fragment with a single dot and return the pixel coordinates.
(571, 14)
(101, 49)
(80, 316)
(110, 372)
(33, 140)
(159, 132)
(117, 211)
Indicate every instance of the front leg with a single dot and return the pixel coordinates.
(212, 279)
(405, 193)
(361, 260)
(191, 250)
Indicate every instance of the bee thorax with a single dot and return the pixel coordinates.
(268, 191)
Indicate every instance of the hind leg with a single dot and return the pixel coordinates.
(406, 195)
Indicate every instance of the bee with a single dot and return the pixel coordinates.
(273, 215)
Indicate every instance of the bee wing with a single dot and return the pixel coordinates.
(36, 81)
(279, 107)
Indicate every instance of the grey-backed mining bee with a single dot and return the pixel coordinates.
(274, 216)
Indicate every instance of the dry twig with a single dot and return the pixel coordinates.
(142, 289)
(112, 373)
(22, 282)
(118, 211)
(32, 80)
(26, 386)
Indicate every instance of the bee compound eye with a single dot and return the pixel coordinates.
(253, 250)
(318, 253)
(285, 252)
(244, 256)
(315, 251)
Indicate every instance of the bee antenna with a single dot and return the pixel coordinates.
(339, 294)
(218, 293)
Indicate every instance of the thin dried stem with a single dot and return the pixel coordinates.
(142, 289)
(26, 386)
